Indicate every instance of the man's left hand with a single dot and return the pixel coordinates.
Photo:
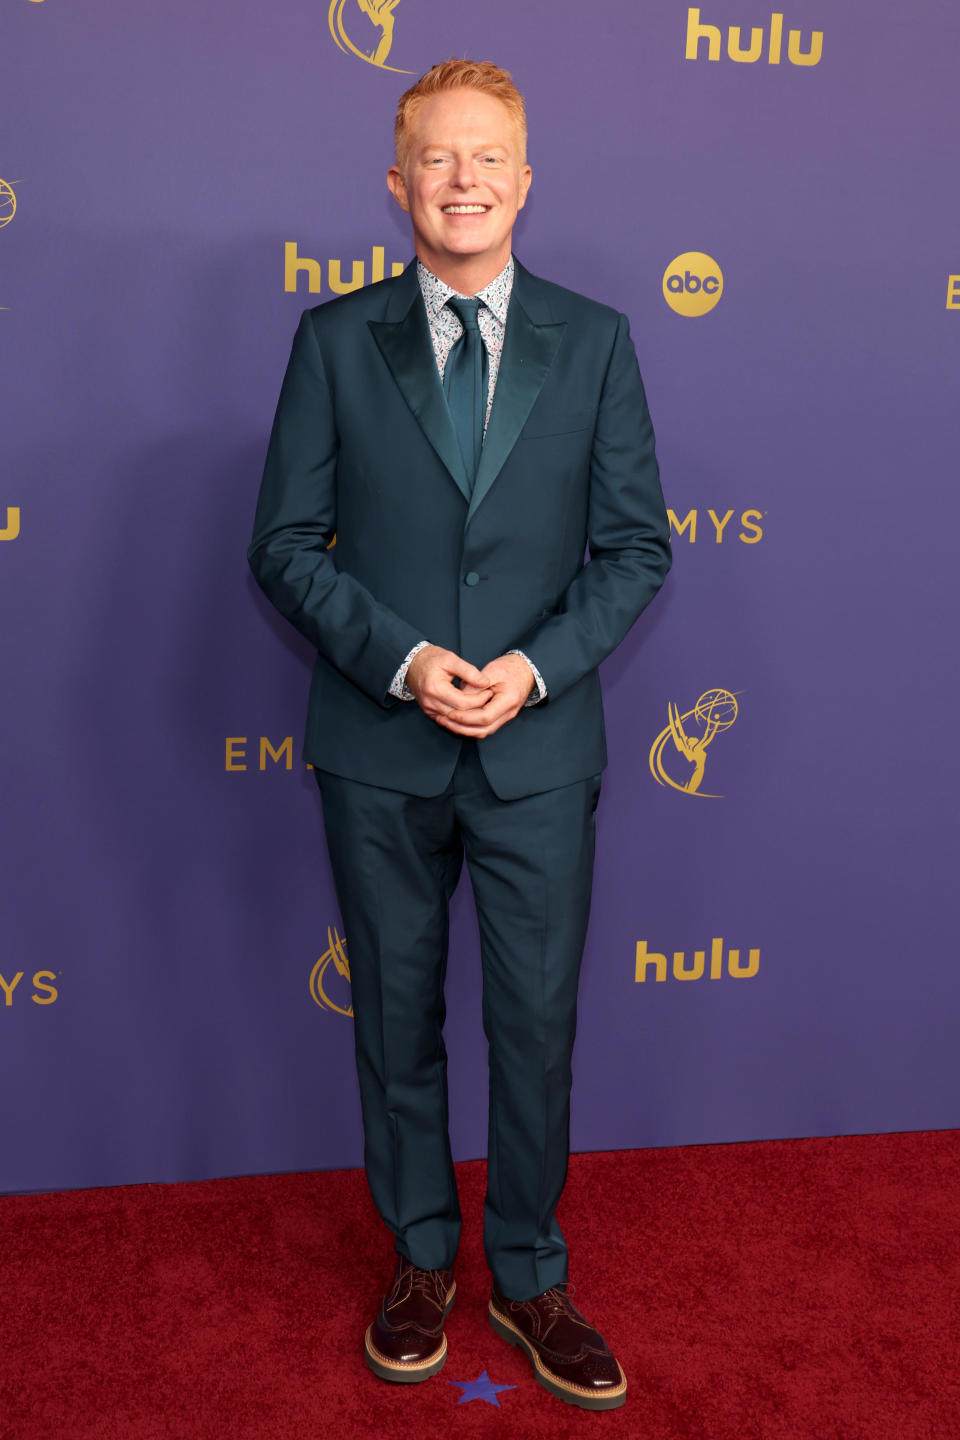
(511, 680)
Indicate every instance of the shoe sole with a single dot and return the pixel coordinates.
(407, 1372)
(563, 1389)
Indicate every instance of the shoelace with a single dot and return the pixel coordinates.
(427, 1281)
(556, 1301)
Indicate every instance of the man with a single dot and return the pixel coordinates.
(465, 429)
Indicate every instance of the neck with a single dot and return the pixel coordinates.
(467, 274)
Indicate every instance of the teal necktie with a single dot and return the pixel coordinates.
(465, 381)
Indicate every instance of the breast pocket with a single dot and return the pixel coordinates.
(557, 422)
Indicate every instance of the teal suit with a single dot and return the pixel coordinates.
(363, 447)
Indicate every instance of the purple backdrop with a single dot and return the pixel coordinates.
(165, 908)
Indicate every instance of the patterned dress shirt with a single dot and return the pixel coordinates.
(445, 331)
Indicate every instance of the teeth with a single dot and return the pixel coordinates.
(464, 209)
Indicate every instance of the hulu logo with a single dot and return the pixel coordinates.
(700, 965)
(295, 265)
(760, 47)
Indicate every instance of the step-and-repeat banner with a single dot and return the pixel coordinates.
(772, 198)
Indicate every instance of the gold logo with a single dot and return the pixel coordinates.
(45, 992)
(716, 710)
(236, 752)
(10, 528)
(379, 14)
(953, 292)
(749, 533)
(8, 208)
(295, 265)
(335, 954)
(736, 968)
(692, 283)
(753, 52)
(8, 203)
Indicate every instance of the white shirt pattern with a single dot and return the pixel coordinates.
(446, 327)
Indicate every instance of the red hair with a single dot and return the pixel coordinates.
(459, 75)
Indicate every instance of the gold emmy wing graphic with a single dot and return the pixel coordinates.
(8, 208)
(335, 953)
(362, 15)
(8, 203)
(691, 734)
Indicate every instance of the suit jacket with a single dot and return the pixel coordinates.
(363, 447)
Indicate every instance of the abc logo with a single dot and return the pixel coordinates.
(693, 283)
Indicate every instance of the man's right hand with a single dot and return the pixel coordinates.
(431, 675)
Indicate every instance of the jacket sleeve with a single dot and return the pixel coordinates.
(295, 522)
(628, 534)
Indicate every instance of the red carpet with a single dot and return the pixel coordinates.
(792, 1288)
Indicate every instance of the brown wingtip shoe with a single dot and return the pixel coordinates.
(570, 1358)
(406, 1341)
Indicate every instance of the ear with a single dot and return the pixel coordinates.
(526, 175)
(398, 187)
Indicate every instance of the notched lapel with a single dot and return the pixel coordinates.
(408, 350)
(529, 351)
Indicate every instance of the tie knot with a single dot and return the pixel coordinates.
(465, 310)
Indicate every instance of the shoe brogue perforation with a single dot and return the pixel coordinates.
(576, 1365)
(406, 1341)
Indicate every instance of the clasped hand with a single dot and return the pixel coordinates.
(484, 700)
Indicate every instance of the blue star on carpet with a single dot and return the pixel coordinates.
(482, 1388)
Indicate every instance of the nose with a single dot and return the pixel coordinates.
(462, 177)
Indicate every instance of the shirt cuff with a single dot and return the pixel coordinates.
(533, 699)
(398, 685)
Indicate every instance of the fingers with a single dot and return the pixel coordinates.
(462, 701)
(431, 676)
(482, 702)
(471, 732)
(447, 700)
(483, 721)
(510, 679)
(450, 701)
(464, 670)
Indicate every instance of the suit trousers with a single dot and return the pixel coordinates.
(396, 859)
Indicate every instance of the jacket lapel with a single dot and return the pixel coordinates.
(530, 344)
(529, 350)
(405, 344)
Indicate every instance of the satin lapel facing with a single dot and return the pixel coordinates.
(528, 353)
(408, 350)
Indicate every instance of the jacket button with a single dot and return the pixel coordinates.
(471, 578)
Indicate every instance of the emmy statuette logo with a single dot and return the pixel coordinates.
(691, 735)
(325, 986)
(692, 283)
(364, 28)
(8, 208)
(8, 203)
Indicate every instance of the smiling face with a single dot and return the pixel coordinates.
(462, 182)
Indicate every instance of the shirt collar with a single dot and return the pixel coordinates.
(496, 295)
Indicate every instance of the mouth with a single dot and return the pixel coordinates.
(465, 209)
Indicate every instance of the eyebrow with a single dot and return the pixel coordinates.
(479, 150)
(485, 146)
